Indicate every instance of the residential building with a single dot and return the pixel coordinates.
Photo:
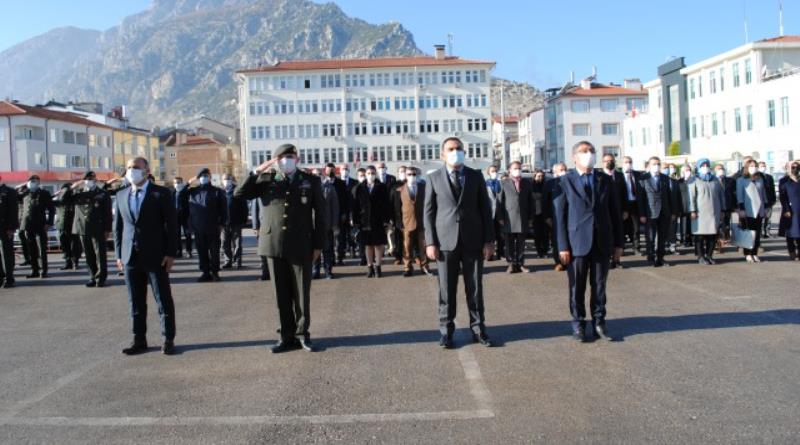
(505, 126)
(58, 146)
(531, 140)
(589, 111)
(187, 153)
(731, 105)
(360, 111)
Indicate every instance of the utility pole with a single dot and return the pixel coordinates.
(505, 159)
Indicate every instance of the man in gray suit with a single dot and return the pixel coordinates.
(656, 202)
(515, 208)
(459, 234)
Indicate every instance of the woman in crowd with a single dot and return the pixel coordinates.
(705, 203)
(790, 210)
(750, 198)
(371, 215)
(541, 231)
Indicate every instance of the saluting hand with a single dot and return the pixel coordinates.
(265, 165)
(167, 263)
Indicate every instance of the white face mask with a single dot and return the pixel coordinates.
(134, 175)
(179, 186)
(227, 183)
(344, 174)
(752, 170)
(33, 185)
(287, 165)
(558, 174)
(370, 178)
(670, 171)
(626, 168)
(655, 170)
(762, 169)
(89, 183)
(455, 158)
(704, 170)
(401, 176)
(720, 173)
(515, 173)
(204, 180)
(382, 171)
(687, 174)
(492, 175)
(412, 180)
(586, 159)
(362, 178)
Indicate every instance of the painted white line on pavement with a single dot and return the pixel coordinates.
(472, 372)
(244, 420)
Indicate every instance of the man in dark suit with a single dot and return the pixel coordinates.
(618, 183)
(655, 210)
(9, 223)
(343, 185)
(397, 223)
(38, 213)
(772, 198)
(514, 214)
(235, 219)
(551, 192)
(630, 205)
(207, 215)
(291, 237)
(459, 235)
(589, 231)
(180, 200)
(390, 182)
(145, 240)
(92, 223)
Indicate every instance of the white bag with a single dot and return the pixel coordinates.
(743, 238)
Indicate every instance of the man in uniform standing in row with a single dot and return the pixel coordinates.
(93, 225)
(65, 215)
(38, 213)
(291, 237)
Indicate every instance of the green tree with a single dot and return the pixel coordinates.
(674, 148)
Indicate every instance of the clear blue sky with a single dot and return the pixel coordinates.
(531, 40)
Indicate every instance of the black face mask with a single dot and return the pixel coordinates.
(611, 165)
(795, 170)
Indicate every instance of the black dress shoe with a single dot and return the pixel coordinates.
(264, 277)
(710, 260)
(315, 276)
(35, 274)
(306, 344)
(215, 277)
(101, 283)
(579, 334)
(91, 283)
(446, 342)
(168, 348)
(658, 263)
(427, 271)
(135, 348)
(283, 346)
(43, 275)
(482, 339)
(408, 273)
(8, 284)
(601, 332)
(239, 266)
(205, 278)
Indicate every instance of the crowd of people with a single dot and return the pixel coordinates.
(308, 222)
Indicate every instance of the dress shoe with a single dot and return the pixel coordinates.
(601, 332)
(408, 273)
(658, 263)
(306, 344)
(215, 278)
(618, 265)
(579, 334)
(524, 269)
(283, 346)
(613, 265)
(370, 272)
(205, 278)
(227, 266)
(756, 259)
(482, 339)
(8, 284)
(101, 283)
(703, 260)
(34, 274)
(91, 283)
(710, 260)
(446, 342)
(43, 274)
(239, 266)
(168, 348)
(135, 348)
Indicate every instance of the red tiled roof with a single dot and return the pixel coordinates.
(509, 119)
(382, 62)
(783, 39)
(605, 90)
(200, 140)
(17, 109)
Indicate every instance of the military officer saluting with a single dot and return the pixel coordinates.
(291, 237)
(37, 217)
(9, 222)
(93, 224)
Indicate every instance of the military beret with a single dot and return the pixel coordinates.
(33, 178)
(203, 171)
(88, 175)
(285, 149)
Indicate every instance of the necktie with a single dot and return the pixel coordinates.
(633, 184)
(454, 178)
(136, 203)
(587, 185)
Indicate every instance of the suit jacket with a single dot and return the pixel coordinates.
(9, 208)
(292, 214)
(465, 222)
(92, 212)
(343, 195)
(655, 202)
(619, 186)
(180, 199)
(581, 221)
(236, 209)
(207, 209)
(332, 208)
(769, 189)
(515, 208)
(412, 211)
(154, 233)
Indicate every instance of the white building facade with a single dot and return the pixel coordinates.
(364, 111)
(590, 111)
(739, 103)
(531, 140)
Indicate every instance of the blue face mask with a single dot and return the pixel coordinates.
(455, 158)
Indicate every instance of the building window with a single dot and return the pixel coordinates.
(609, 105)
(173, 155)
(77, 161)
(612, 150)
(748, 72)
(635, 103)
(735, 68)
(737, 120)
(580, 129)
(80, 138)
(579, 106)
(691, 88)
(770, 113)
(610, 129)
(714, 127)
(53, 135)
(784, 111)
(694, 127)
(68, 137)
(699, 86)
(749, 113)
(59, 161)
(38, 158)
(721, 79)
(724, 122)
(712, 82)
(2, 134)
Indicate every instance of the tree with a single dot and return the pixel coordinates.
(674, 149)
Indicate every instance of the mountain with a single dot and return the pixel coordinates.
(177, 59)
(519, 98)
